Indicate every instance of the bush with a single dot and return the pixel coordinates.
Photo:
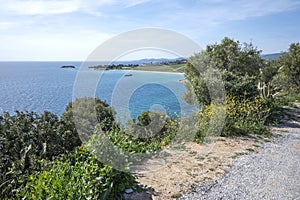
(211, 122)
(38, 159)
(87, 113)
(77, 175)
(27, 138)
(243, 116)
(120, 147)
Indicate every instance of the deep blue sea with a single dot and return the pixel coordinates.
(39, 86)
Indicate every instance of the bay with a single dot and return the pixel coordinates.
(40, 86)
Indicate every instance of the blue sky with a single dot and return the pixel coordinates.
(72, 29)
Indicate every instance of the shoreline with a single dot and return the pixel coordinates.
(143, 71)
(154, 72)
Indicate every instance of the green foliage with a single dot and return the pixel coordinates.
(211, 122)
(86, 113)
(152, 132)
(122, 148)
(238, 65)
(77, 175)
(246, 116)
(240, 86)
(225, 55)
(243, 116)
(197, 89)
(41, 156)
(266, 85)
(27, 138)
(151, 127)
(234, 57)
(249, 82)
(288, 78)
(38, 159)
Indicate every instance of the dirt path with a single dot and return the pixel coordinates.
(272, 174)
(182, 167)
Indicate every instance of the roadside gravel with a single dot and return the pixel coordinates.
(272, 174)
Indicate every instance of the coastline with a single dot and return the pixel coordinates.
(156, 72)
(173, 73)
(145, 71)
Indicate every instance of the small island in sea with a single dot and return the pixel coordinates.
(68, 66)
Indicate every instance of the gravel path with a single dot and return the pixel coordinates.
(272, 174)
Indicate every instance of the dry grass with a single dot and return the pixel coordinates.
(181, 167)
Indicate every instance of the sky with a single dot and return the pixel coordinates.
(60, 30)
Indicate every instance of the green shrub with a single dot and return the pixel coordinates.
(246, 116)
(77, 175)
(120, 147)
(27, 138)
(243, 116)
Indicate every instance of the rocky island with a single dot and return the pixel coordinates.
(68, 66)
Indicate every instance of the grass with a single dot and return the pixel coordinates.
(179, 68)
(250, 149)
(180, 147)
(165, 154)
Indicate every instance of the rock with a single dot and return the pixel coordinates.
(68, 66)
(128, 191)
(138, 196)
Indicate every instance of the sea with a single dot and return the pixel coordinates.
(40, 86)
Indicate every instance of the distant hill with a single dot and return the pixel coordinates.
(149, 61)
(273, 56)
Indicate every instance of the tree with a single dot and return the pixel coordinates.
(26, 139)
(234, 57)
(87, 113)
(238, 65)
(289, 70)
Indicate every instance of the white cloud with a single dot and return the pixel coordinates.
(132, 3)
(48, 7)
(50, 46)
(6, 25)
(38, 7)
(205, 15)
(30, 23)
(222, 10)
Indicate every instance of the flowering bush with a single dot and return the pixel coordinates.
(243, 116)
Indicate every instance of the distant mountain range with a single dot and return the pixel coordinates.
(273, 56)
(149, 60)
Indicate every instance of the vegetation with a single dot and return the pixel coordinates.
(113, 66)
(77, 175)
(252, 86)
(178, 68)
(287, 79)
(165, 66)
(42, 156)
(47, 157)
(28, 138)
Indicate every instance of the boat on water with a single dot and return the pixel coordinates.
(128, 75)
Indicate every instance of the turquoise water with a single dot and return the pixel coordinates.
(39, 86)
